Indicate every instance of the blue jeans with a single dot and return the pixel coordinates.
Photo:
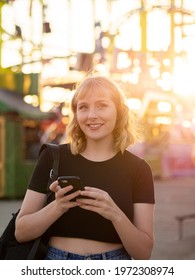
(57, 254)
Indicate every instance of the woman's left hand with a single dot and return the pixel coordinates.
(98, 201)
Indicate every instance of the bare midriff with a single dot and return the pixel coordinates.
(82, 246)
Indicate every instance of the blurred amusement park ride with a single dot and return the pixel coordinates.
(146, 46)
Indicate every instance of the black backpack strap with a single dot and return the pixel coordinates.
(53, 150)
(54, 155)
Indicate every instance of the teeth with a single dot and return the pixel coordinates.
(94, 125)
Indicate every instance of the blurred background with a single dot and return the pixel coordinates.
(147, 46)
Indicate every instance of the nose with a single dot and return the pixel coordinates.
(92, 114)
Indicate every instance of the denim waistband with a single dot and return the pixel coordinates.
(57, 254)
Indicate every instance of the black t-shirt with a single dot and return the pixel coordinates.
(126, 177)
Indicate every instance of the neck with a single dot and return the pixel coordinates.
(97, 152)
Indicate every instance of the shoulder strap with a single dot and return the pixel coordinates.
(54, 155)
(53, 150)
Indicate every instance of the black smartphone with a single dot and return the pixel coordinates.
(75, 181)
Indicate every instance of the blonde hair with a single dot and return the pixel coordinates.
(126, 131)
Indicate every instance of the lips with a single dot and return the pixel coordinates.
(95, 126)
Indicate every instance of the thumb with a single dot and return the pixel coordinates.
(54, 187)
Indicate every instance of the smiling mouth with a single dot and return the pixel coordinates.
(94, 126)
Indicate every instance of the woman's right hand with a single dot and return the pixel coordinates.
(62, 198)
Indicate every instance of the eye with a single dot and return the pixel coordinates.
(82, 107)
(102, 105)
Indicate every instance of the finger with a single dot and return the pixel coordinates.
(86, 194)
(66, 189)
(70, 197)
(99, 192)
(90, 208)
(92, 194)
(87, 188)
(61, 192)
(54, 187)
(64, 193)
(89, 202)
(71, 204)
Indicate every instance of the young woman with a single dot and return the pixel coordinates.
(112, 218)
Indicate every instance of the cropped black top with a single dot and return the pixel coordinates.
(126, 177)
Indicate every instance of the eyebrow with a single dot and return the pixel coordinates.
(101, 100)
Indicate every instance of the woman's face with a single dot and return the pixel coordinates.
(97, 114)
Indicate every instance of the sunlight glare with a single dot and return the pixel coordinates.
(183, 78)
